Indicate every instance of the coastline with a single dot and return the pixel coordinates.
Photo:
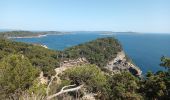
(38, 36)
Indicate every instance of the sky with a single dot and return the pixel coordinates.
(86, 15)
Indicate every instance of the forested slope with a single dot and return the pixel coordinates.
(40, 57)
(21, 64)
(97, 52)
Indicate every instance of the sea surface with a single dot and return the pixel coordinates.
(144, 49)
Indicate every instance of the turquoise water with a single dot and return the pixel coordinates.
(144, 49)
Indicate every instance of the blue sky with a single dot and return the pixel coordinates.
(86, 15)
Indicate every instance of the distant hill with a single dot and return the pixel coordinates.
(5, 30)
(22, 34)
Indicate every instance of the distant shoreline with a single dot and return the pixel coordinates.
(18, 37)
(38, 36)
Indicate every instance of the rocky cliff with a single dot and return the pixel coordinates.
(120, 63)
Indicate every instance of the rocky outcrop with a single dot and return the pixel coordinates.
(67, 64)
(42, 79)
(75, 62)
(120, 63)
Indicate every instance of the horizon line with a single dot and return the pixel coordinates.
(8, 30)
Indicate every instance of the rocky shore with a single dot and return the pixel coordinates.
(120, 63)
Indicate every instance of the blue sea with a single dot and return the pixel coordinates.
(144, 49)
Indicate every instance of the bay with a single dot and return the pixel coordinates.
(144, 49)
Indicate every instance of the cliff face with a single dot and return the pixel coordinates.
(120, 63)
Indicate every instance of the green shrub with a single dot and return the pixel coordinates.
(90, 75)
(16, 72)
(124, 86)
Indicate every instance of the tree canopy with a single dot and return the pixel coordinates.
(90, 75)
(38, 56)
(16, 73)
(165, 62)
(97, 52)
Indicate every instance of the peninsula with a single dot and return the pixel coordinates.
(28, 34)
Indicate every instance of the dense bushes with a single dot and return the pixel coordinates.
(90, 75)
(16, 73)
(121, 86)
(20, 64)
(157, 86)
(97, 52)
(124, 86)
(165, 62)
(38, 56)
(154, 86)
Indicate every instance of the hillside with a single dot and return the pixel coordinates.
(40, 57)
(98, 52)
(97, 69)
